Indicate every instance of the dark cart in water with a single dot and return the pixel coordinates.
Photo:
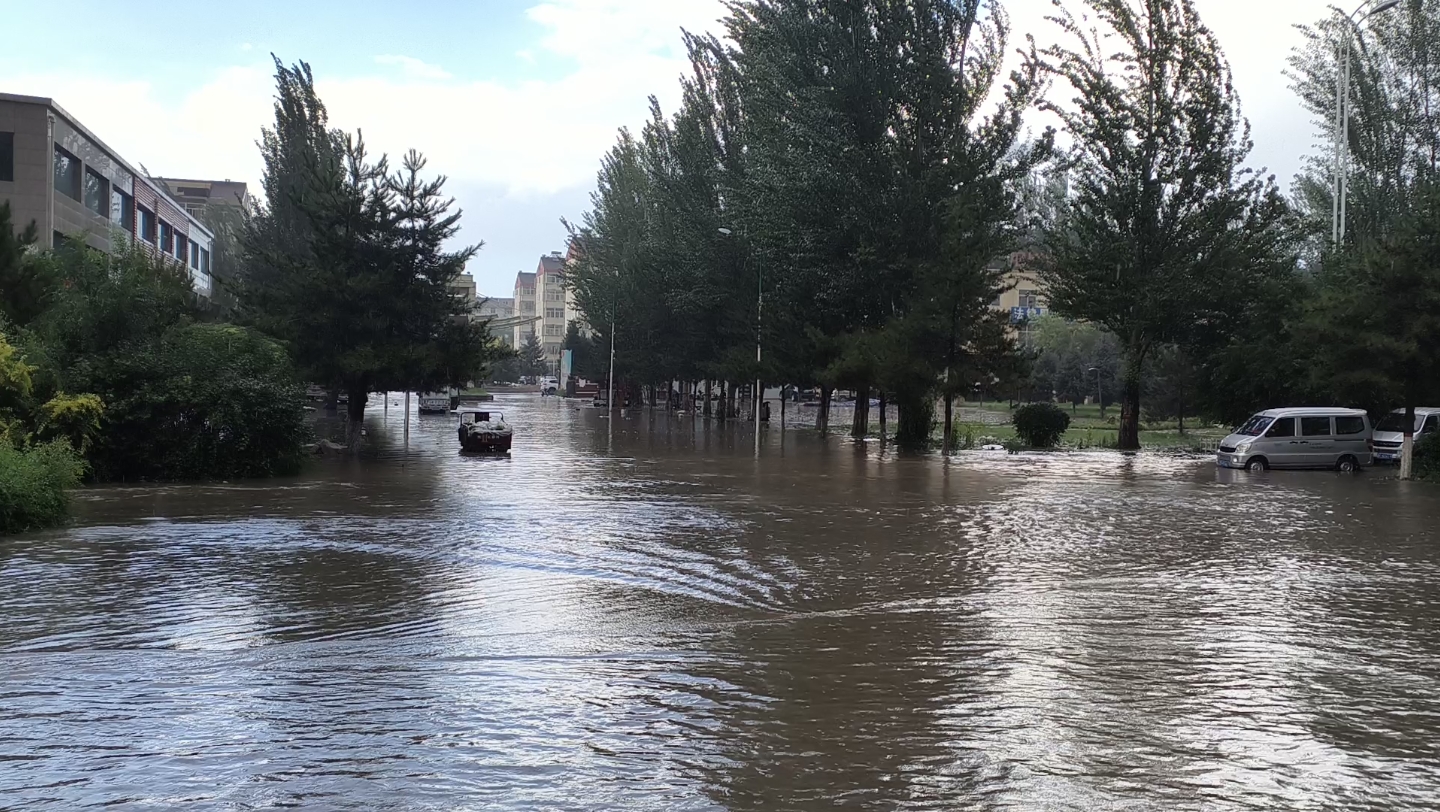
(484, 432)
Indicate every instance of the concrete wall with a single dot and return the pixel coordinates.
(29, 193)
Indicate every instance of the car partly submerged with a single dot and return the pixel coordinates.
(1308, 437)
(1390, 431)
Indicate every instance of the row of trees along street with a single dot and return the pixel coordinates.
(861, 165)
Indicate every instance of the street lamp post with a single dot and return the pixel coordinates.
(1099, 391)
(1341, 183)
(759, 399)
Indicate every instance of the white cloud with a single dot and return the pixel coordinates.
(412, 68)
(509, 144)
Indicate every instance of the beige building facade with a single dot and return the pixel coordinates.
(524, 307)
(58, 175)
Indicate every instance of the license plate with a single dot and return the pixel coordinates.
(1387, 457)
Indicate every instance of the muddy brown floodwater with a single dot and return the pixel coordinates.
(660, 622)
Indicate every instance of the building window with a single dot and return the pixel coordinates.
(167, 238)
(182, 248)
(554, 313)
(1029, 298)
(204, 262)
(554, 331)
(67, 174)
(97, 193)
(147, 225)
(7, 156)
(195, 255)
(122, 210)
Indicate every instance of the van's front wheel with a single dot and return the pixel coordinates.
(1257, 466)
(1348, 465)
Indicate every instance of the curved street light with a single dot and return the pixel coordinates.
(1341, 186)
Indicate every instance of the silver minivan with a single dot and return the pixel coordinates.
(1390, 431)
(1299, 438)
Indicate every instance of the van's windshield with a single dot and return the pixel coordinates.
(1395, 422)
(1255, 426)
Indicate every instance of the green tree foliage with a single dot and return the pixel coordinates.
(1165, 230)
(24, 282)
(585, 360)
(183, 399)
(35, 484)
(1377, 316)
(39, 462)
(346, 263)
(846, 163)
(1040, 425)
(1065, 353)
(532, 357)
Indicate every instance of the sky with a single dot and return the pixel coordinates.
(514, 101)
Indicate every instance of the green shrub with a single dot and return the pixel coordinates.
(1041, 425)
(1427, 456)
(33, 485)
(206, 401)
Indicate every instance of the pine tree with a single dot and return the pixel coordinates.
(532, 357)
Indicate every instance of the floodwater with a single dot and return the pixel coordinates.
(658, 621)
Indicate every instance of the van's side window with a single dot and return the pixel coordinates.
(1284, 427)
(1349, 425)
(1432, 423)
(1315, 426)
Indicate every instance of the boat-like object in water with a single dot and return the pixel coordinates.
(484, 432)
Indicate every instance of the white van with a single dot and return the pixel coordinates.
(1299, 438)
(1390, 432)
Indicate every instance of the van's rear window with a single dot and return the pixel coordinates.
(1255, 426)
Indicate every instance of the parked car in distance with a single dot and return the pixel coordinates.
(434, 403)
(1390, 431)
(1299, 438)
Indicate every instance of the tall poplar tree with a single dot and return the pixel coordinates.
(1165, 228)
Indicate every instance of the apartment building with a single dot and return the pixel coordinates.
(1023, 297)
(550, 305)
(58, 174)
(196, 195)
(524, 307)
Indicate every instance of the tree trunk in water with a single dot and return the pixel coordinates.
(1407, 448)
(947, 445)
(1130, 406)
(884, 422)
(860, 423)
(917, 419)
(822, 416)
(356, 408)
(707, 406)
(730, 395)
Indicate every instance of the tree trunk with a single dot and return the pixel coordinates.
(731, 394)
(784, 397)
(947, 445)
(707, 407)
(355, 411)
(884, 422)
(822, 414)
(917, 419)
(860, 422)
(1407, 449)
(1130, 404)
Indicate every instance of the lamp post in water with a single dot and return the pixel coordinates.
(759, 399)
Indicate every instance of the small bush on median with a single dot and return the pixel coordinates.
(1427, 456)
(1041, 425)
(34, 484)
